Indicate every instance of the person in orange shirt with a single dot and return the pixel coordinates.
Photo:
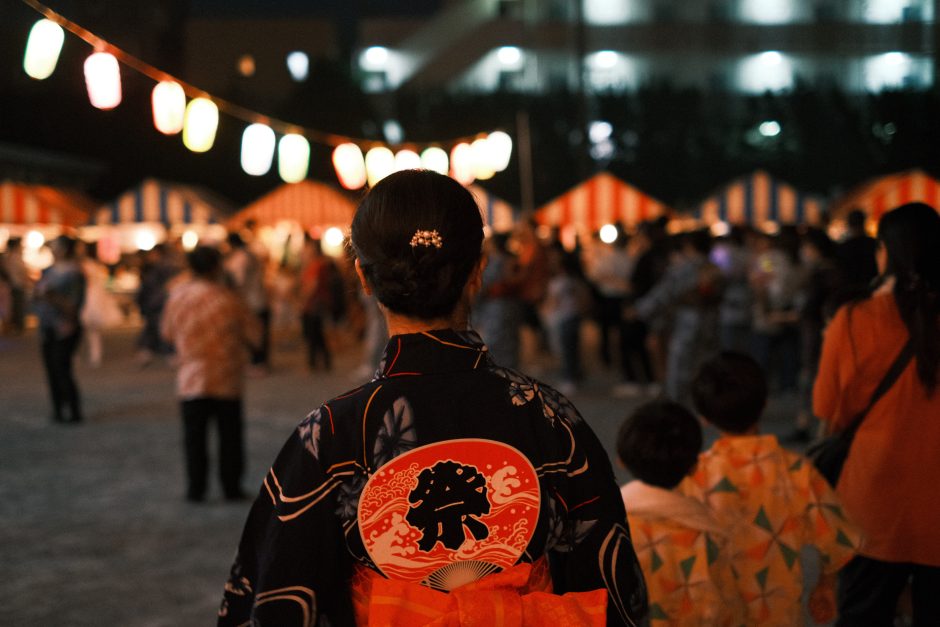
(889, 479)
(772, 502)
(681, 546)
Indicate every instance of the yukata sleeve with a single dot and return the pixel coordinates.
(591, 546)
(828, 526)
(292, 565)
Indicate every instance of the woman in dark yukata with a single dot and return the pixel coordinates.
(447, 490)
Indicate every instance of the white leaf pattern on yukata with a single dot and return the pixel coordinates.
(554, 405)
(521, 388)
(309, 432)
(347, 498)
(397, 434)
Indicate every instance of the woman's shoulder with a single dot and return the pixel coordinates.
(879, 308)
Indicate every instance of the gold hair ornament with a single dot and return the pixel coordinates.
(427, 238)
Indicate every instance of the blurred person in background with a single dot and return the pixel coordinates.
(889, 481)
(17, 275)
(497, 313)
(101, 310)
(855, 255)
(246, 272)
(737, 301)
(156, 271)
(316, 297)
(57, 299)
(212, 331)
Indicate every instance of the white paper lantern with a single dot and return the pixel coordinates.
(481, 159)
(169, 106)
(43, 48)
(349, 165)
(407, 160)
(103, 80)
(257, 149)
(200, 123)
(380, 162)
(461, 164)
(435, 159)
(500, 150)
(293, 158)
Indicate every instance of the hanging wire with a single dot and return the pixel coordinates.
(225, 106)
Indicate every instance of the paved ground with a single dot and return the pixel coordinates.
(93, 527)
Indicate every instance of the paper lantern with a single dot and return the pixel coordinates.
(169, 107)
(43, 48)
(349, 165)
(293, 158)
(435, 159)
(461, 164)
(200, 123)
(481, 160)
(103, 80)
(407, 160)
(257, 149)
(500, 150)
(380, 162)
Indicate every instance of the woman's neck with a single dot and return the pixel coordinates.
(399, 324)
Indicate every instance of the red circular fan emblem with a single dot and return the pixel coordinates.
(446, 514)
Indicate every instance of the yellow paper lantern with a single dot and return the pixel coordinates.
(407, 160)
(380, 162)
(200, 122)
(436, 160)
(103, 80)
(500, 146)
(257, 149)
(169, 106)
(349, 165)
(43, 48)
(461, 164)
(293, 158)
(481, 159)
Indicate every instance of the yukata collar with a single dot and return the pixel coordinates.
(433, 352)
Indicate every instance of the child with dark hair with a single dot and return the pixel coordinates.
(681, 546)
(771, 501)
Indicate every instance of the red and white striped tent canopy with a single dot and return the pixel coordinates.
(308, 203)
(498, 214)
(602, 199)
(23, 206)
(885, 193)
(757, 199)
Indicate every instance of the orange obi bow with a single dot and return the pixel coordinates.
(518, 597)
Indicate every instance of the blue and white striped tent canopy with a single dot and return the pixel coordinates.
(498, 214)
(758, 199)
(159, 202)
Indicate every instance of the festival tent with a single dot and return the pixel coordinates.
(152, 212)
(284, 215)
(312, 205)
(25, 207)
(602, 199)
(498, 214)
(887, 192)
(759, 199)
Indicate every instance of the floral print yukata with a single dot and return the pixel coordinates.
(394, 477)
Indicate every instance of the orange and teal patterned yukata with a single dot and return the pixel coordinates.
(683, 552)
(773, 503)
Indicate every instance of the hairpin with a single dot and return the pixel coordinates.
(426, 238)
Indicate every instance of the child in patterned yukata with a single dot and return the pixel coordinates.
(448, 490)
(772, 501)
(682, 547)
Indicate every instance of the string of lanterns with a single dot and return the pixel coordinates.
(469, 159)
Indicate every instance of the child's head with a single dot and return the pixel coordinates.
(730, 391)
(659, 443)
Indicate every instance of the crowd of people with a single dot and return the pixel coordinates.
(698, 325)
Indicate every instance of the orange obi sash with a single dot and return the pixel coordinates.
(518, 597)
